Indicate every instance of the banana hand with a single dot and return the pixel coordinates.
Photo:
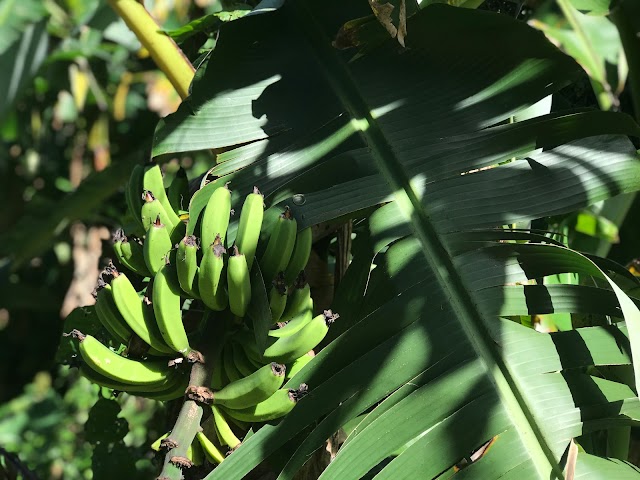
(276, 406)
(287, 349)
(108, 363)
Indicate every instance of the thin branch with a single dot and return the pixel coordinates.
(162, 48)
(631, 45)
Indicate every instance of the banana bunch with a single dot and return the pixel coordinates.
(170, 270)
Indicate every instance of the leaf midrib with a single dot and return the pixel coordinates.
(340, 80)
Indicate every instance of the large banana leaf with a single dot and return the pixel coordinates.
(430, 352)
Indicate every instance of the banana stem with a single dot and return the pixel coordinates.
(188, 421)
(161, 47)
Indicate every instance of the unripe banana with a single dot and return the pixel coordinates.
(230, 369)
(297, 365)
(210, 450)
(300, 255)
(152, 209)
(177, 390)
(277, 298)
(104, 381)
(133, 193)
(287, 349)
(157, 246)
(224, 431)
(215, 218)
(249, 226)
(130, 253)
(139, 318)
(210, 279)
(276, 406)
(152, 181)
(167, 307)
(109, 315)
(157, 444)
(299, 301)
(238, 283)
(219, 378)
(187, 265)
(241, 362)
(178, 192)
(108, 363)
(294, 325)
(195, 453)
(280, 246)
(252, 389)
(245, 339)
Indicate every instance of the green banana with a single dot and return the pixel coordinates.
(178, 192)
(211, 452)
(167, 307)
(156, 246)
(294, 325)
(215, 218)
(280, 246)
(219, 377)
(130, 254)
(187, 265)
(242, 362)
(230, 369)
(152, 209)
(158, 443)
(297, 365)
(104, 381)
(287, 349)
(210, 283)
(106, 362)
(249, 226)
(276, 406)
(224, 431)
(133, 193)
(300, 255)
(277, 298)
(252, 389)
(245, 339)
(177, 390)
(139, 318)
(152, 181)
(299, 301)
(238, 283)
(109, 315)
(195, 453)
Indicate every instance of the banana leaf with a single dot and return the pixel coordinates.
(447, 378)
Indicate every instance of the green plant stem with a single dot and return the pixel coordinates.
(188, 421)
(621, 17)
(161, 47)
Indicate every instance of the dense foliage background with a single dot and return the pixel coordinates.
(80, 100)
